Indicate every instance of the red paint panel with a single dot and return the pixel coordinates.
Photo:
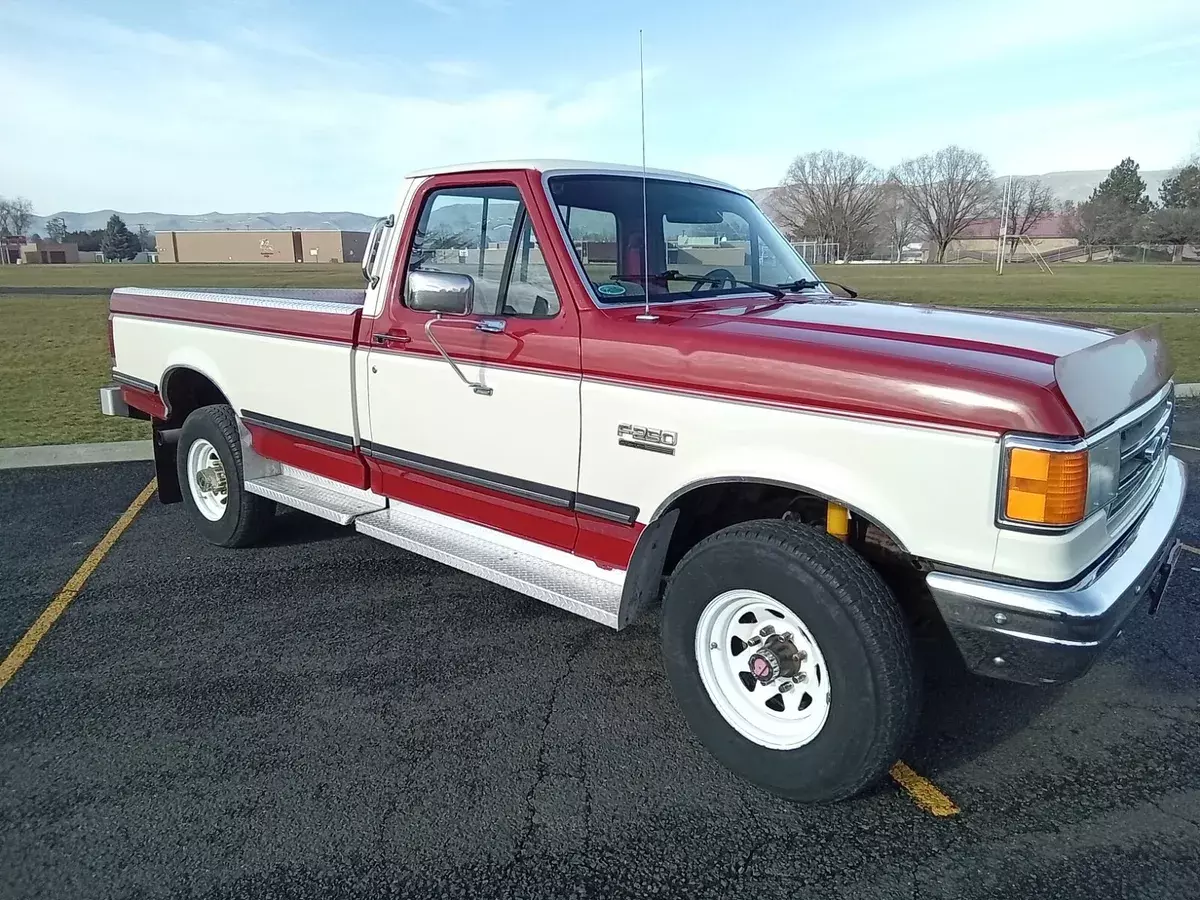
(147, 401)
(942, 383)
(546, 345)
(547, 525)
(346, 466)
(337, 327)
(607, 543)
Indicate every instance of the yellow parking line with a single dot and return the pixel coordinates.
(1189, 548)
(923, 792)
(1186, 447)
(29, 641)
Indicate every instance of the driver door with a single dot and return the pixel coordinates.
(506, 457)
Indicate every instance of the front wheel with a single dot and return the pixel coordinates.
(790, 659)
(209, 461)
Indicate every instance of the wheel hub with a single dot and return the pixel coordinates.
(778, 657)
(212, 479)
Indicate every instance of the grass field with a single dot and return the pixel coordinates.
(54, 349)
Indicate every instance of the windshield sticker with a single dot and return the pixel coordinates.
(611, 290)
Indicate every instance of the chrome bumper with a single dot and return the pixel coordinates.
(111, 401)
(1043, 635)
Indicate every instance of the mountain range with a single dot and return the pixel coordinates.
(1076, 186)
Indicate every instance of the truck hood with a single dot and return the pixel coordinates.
(943, 366)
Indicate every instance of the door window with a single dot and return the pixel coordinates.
(485, 232)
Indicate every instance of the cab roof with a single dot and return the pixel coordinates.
(564, 166)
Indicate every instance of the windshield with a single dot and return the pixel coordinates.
(703, 241)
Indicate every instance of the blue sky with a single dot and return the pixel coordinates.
(188, 107)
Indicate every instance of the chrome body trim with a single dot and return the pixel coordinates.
(544, 573)
(294, 302)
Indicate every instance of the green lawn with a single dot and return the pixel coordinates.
(53, 360)
(113, 275)
(1072, 284)
(54, 349)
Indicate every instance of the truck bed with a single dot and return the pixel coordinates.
(281, 353)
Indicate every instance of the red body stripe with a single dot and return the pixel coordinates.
(337, 327)
(528, 519)
(148, 402)
(346, 466)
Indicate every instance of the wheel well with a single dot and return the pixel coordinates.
(185, 391)
(706, 509)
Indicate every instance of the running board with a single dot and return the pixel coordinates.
(313, 494)
(544, 573)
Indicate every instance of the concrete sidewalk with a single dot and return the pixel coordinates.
(74, 454)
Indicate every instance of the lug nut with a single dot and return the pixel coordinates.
(767, 630)
(801, 678)
(785, 687)
(754, 641)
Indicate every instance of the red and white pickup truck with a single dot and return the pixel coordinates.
(607, 391)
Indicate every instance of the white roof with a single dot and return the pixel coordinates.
(563, 166)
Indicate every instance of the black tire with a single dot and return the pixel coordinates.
(855, 621)
(247, 517)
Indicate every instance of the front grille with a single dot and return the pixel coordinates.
(1145, 444)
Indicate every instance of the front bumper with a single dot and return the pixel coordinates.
(1043, 635)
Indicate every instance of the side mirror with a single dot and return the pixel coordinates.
(374, 239)
(448, 293)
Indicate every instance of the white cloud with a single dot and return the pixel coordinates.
(451, 68)
(251, 122)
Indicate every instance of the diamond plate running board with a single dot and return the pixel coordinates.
(552, 576)
(319, 496)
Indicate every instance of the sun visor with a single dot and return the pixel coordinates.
(1104, 380)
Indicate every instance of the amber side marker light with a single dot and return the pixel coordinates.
(1045, 487)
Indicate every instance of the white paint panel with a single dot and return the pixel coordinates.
(307, 382)
(528, 428)
(934, 490)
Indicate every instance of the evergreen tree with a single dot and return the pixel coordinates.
(1182, 190)
(1124, 185)
(118, 241)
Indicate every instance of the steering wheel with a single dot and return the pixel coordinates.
(718, 278)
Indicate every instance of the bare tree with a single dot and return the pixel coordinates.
(832, 196)
(15, 215)
(897, 219)
(948, 190)
(1029, 202)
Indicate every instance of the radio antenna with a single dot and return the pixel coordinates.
(646, 315)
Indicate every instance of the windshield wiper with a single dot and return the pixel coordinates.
(674, 275)
(850, 292)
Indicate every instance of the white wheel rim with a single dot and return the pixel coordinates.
(203, 466)
(771, 715)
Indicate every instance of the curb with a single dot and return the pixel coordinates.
(130, 451)
(75, 454)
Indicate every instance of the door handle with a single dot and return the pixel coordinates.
(490, 326)
(391, 339)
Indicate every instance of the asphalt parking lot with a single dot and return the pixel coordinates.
(330, 717)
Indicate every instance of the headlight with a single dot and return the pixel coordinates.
(1057, 486)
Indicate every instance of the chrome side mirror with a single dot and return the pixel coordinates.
(448, 293)
(374, 241)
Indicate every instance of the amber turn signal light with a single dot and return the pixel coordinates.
(1045, 487)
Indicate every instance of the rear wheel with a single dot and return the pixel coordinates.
(790, 659)
(209, 462)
